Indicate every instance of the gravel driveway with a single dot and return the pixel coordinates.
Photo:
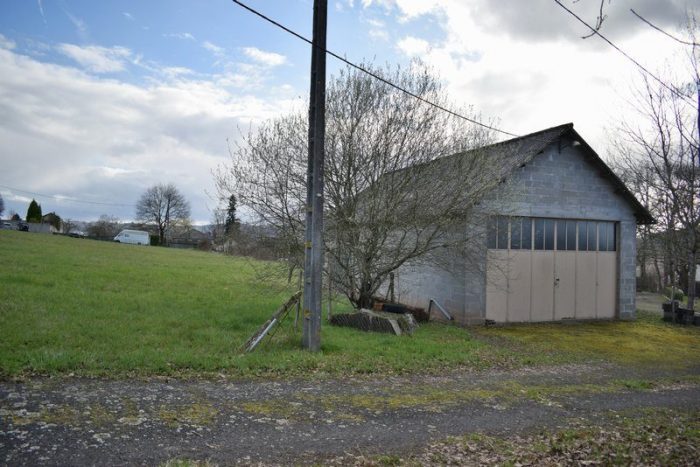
(71, 421)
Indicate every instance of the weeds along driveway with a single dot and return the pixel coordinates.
(60, 421)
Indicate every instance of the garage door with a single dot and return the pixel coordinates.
(550, 269)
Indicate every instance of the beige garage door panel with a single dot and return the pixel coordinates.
(519, 286)
(607, 278)
(564, 284)
(585, 285)
(551, 280)
(542, 286)
(497, 285)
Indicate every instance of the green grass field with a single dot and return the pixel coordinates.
(97, 308)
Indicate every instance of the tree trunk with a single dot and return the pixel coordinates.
(365, 295)
(683, 276)
(659, 278)
(643, 277)
(692, 266)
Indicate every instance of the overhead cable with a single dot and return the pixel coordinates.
(65, 198)
(372, 74)
(639, 65)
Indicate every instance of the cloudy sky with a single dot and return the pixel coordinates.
(100, 100)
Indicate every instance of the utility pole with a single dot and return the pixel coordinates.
(313, 257)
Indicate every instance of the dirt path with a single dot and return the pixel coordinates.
(94, 421)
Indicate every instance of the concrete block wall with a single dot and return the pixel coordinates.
(475, 280)
(416, 284)
(561, 183)
(627, 268)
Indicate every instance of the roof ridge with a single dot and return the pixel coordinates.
(565, 126)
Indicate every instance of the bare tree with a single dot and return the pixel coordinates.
(164, 206)
(68, 225)
(655, 246)
(106, 227)
(217, 229)
(387, 200)
(662, 154)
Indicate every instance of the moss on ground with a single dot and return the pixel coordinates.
(356, 406)
(197, 413)
(646, 342)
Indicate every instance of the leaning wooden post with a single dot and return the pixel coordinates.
(296, 317)
(330, 290)
(391, 288)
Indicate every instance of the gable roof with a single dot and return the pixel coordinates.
(520, 151)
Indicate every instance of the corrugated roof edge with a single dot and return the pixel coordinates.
(546, 141)
(641, 213)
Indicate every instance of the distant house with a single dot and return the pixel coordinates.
(561, 246)
(186, 237)
(41, 228)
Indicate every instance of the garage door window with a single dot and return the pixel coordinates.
(582, 236)
(526, 233)
(592, 235)
(566, 235)
(516, 225)
(539, 234)
(548, 234)
(571, 235)
(606, 236)
(497, 234)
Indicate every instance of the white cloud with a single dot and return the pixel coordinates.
(415, 8)
(413, 46)
(41, 10)
(96, 58)
(103, 140)
(6, 43)
(113, 172)
(80, 26)
(534, 75)
(176, 71)
(180, 35)
(263, 57)
(377, 29)
(9, 195)
(128, 16)
(379, 34)
(213, 48)
(408, 9)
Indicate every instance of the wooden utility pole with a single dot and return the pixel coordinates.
(313, 258)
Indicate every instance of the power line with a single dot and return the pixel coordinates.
(62, 198)
(372, 74)
(639, 65)
(694, 44)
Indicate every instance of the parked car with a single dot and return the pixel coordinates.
(23, 227)
(7, 225)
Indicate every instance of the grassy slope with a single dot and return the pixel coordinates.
(97, 308)
(71, 305)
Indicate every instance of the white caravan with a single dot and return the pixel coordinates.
(137, 237)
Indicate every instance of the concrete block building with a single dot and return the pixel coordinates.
(560, 241)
